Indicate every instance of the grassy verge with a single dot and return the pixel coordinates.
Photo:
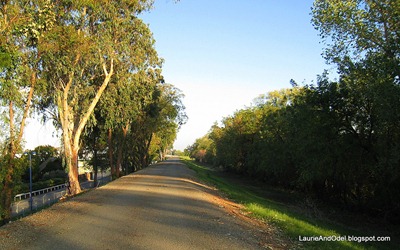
(295, 224)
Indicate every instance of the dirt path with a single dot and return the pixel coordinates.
(160, 207)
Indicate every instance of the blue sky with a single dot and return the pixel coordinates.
(224, 53)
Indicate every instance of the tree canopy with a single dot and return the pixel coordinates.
(337, 141)
(64, 58)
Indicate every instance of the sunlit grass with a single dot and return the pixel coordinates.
(295, 227)
(293, 223)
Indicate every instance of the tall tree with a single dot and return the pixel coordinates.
(363, 39)
(23, 26)
(92, 40)
(155, 128)
(122, 104)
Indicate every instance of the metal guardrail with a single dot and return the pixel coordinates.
(22, 207)
(48, 196)
(39, 192)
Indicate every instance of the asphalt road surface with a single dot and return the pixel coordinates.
(160, 207)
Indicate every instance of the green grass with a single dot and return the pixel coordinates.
(294, 224)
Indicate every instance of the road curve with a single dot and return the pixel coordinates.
(160, 207)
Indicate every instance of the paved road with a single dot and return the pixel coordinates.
(160, 207)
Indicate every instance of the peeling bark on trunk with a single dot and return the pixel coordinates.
(71, 131)
(27, 107)
(73, 175)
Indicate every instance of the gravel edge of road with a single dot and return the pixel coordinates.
(271, 237)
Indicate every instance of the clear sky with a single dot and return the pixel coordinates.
(224, 53)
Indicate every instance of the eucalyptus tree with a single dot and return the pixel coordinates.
(23, 26)
(90, 43)
(171, 116)
(155, 128)
(122, 104)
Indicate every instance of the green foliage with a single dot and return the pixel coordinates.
(290, 219)
(335, 141)
(68, 53)
(358, 28)
(40, 155)
(143, 115)
(203, 150)
(5, 59)
(22, 25)
(155, 129)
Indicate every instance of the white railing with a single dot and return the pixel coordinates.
(38, 192)
(22, 207)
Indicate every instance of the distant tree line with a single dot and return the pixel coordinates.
(92, 68)
(336, 140)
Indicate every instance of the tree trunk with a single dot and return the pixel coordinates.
(27, 107)
(110, 153)
(95, 162)
(119, 160)
(144, 152)
(73, 122)
(145, 157)
(73, 174)
(121, 148)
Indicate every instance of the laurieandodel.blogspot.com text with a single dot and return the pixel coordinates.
(352, 238)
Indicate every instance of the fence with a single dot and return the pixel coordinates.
(48, 196)
(39, 192)
(22, 207)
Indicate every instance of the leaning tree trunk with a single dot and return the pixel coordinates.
(71, 131)
(67, 123)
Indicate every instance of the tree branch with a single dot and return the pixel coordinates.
(27, 106)
(94, 102)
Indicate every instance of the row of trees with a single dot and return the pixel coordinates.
(337, 140)
(59, 57)
(130, 129)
